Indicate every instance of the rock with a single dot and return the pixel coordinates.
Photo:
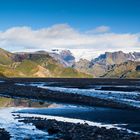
(72, 131)
(4, 135)
(53, 130)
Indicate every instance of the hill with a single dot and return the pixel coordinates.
(63, 65)
(37, 64)
(110, 64)
(129, 69)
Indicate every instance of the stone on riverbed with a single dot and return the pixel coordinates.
(4, 135)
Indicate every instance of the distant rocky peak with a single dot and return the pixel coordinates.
(110, 58)
(67, 55)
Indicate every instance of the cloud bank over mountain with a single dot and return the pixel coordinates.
(62, 36)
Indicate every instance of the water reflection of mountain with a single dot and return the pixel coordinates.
(9, 102)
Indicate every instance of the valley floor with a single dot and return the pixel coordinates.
(56, 108)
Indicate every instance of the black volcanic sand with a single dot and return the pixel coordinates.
(79, 82)
(106, 83)
(125, 89)
(4, 135)
(72, 131)
(10, 89)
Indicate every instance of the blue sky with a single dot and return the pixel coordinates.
(86, 27)
(121, 15)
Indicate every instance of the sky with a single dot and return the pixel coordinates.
(86, 27)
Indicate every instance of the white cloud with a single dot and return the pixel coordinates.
(100, 29)
(62, 36)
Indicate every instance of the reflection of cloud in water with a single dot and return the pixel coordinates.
(19, 130)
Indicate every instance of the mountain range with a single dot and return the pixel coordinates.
(63, 64)
(36, 64)
(111, 64)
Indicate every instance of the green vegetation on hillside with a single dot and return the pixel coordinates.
(6, 71)
(34, 65)
(124, 70)
(40, 64)
(5, 57)
(70, 72)
(27, 67)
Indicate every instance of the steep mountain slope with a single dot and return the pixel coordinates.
(7, 71)
(37, 64)
(105, 62)
(127, 69)
(86, 66)
(5, 57)
(110, 58)
(64, 57)
(62, 64)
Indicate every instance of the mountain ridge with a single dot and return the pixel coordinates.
(63, 64)
(106, 62)
(36, 64)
